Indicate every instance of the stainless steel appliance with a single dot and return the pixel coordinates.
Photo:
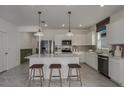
(47, 46)
(66, 42)
(66, 46)
(103, 65)
(66, 50)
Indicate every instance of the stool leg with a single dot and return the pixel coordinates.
(33, 73)
(40, 76)
(30, 77)
(70, 72)
(60, 78)
(77, 73)
(80, 77)
(43, 73)
(50, 77)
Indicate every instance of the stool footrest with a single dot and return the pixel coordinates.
(55, 76)
(73, 76)
(37, 76)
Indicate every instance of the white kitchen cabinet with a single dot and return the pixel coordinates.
(116, 70)
(82, 57)
(91, 38)
(78, 40)
(116, 33)
(91, 60)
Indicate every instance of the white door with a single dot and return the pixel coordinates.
(3, 51)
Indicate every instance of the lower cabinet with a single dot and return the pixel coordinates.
(91, 60)
(23, 54)
(82, 57)
(116, 70)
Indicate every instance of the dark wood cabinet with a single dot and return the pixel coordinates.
(23, 54)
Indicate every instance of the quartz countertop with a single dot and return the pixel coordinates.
(52, 55)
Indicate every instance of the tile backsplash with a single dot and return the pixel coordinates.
(84, 48)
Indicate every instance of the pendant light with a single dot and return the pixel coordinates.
(39, 33)
(69, 31)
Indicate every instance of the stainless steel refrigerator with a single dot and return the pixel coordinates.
(47, 46)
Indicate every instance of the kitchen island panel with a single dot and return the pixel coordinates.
(63, 60)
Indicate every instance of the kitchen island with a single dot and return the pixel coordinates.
(47, 59)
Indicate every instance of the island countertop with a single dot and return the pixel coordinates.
(51, 55)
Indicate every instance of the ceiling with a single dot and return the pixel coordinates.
(56, 15)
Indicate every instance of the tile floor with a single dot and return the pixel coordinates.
(18, 77)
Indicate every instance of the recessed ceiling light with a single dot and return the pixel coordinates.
(63, 25)
(80, 25)
(45, 25)
(101, 5)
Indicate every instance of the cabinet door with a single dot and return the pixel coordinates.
(94, 61)
(78, 40)
(114, 71)
(91, 60)
(82, 57)
(116, 33)
(91, 38)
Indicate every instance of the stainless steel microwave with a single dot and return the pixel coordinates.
(66, 42)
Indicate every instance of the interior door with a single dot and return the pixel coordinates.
(3, 51)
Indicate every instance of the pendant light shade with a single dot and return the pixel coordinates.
(69, 34)
(39, 33)
(69, 31)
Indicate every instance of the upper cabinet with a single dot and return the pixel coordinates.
(88, 38)
(91, 38)
(78, 40)
(116, 32)
(116, 28)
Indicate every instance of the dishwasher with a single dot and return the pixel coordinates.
(103, 65)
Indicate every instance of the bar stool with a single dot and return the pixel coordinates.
(41, 75)
(55, 66)
(78, 75)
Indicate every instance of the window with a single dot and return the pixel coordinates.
(102, 39)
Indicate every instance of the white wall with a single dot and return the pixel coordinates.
(12, 43)
(25, 40)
